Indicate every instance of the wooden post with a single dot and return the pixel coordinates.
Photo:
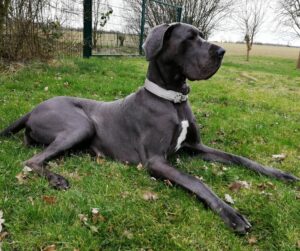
(298, 64)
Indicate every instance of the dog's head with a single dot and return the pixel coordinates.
(183, 45)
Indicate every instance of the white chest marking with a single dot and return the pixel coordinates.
(182, 136)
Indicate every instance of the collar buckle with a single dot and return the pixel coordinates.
(175, 97)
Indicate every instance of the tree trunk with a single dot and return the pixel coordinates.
(4, 4)
(248, 55)
(298, 64)
(249, 47)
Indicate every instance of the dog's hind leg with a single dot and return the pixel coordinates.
(63, 142)
(211, 154)
(159, 167)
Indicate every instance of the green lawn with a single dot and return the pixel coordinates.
(251, 109)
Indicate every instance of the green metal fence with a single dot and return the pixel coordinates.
(114, 27)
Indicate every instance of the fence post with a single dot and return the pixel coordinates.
(87, 28)
(142, 27)
(178, 14)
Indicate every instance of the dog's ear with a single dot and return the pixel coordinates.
(155, 40)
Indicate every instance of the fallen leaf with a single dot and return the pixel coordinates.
(178, 161)
(49, 199)
(298, 244)
(153, 178)
(52, 164)
(139, 167)
(83, 218)
(168, 183)
(150, 196)
(31, 200)
(124, 194)
(94, 229)
(128, 234)
(270, 184)
(3, 235)
(1, 220)
(263, 186)
(22, 178)
(199, 178)
(237, 185)
(95, 210)
(50, 248)
(46, 88)
(265, 193)
(279, 157)
(252, 240)
(229, 199)
(74, 175)
(100, 160)
(27, 169)
(96, 216)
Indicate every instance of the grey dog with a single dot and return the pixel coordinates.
(145, 127)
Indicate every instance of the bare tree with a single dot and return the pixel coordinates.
(101, 15)
(4, 4)
(204, 14)
(289, 15)
(249, 17)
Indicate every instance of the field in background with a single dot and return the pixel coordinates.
(108, 44)
(261, 50)
(248, 108)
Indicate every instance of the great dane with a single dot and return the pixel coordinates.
(145, 127)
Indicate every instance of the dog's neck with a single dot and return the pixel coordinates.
(167, 76)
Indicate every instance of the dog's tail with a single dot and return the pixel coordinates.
(16, 126)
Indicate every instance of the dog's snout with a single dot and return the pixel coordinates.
(220, 52)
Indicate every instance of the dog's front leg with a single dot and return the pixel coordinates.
(160, 167)
(211, 154)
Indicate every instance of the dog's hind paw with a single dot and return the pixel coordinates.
(58, 182)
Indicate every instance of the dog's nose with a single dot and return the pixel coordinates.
(220, 52)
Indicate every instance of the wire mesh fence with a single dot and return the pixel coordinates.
(119, 27)
(49, 28)
(41, 29)
(111, 30)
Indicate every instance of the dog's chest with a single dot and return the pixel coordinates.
(183, 129)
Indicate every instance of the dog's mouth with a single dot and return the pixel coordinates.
(198, 71)
(205, 73)
(216, 68)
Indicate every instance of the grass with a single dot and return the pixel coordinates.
(252, 109)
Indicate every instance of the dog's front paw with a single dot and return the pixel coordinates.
(235, 220)
(58, 182)
(287, 177)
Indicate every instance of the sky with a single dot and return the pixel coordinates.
(269, 33)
